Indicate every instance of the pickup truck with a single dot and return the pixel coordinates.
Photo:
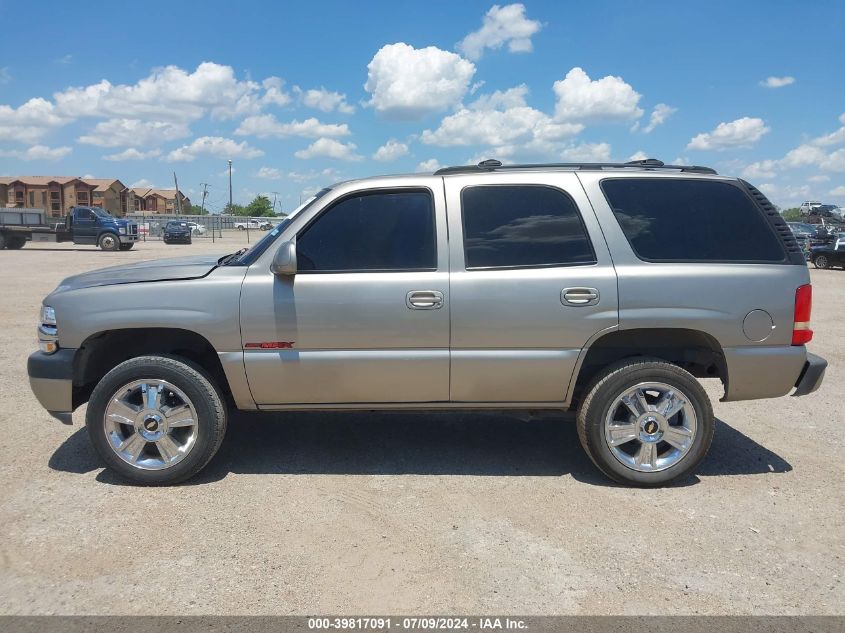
(83, 225)
(263, 225)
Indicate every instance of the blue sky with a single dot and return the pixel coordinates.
(299, 95)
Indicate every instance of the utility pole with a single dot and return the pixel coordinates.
(202, 210)
(275, 193)
(178, 200)
(230, 186)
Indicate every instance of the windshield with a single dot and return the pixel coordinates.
(263, 244)
(100, 212)
(176, 225)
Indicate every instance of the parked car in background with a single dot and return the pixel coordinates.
(177, 232)
(557, 287)
(830, 255)
(807, 207)
(263, 225)
(197, 229)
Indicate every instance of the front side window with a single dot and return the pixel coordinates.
(377, 231)
(521, 226)
(677, 220)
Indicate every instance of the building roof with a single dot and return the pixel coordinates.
(145, 192)
(103, 184)
(43, 180)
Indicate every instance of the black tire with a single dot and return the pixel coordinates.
(194, 382)
(15, 242)
(612, 383)
(822, 262)
(109, 242)
(127, 247)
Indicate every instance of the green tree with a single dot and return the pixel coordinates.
(234, 209)
(792, 215)
(260, 207)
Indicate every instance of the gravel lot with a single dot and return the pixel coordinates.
(407, 513)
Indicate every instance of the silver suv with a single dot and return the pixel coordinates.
(605, 289)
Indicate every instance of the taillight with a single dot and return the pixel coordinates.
(801, 332)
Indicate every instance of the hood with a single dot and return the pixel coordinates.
(155, 270)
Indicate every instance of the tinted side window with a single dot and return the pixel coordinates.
(84, 214)
(522, 226)
(373, 231)
(691, 220)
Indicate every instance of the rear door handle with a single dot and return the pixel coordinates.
(579, 296)
(424, 300)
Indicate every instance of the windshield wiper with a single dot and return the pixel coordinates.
(231, 257)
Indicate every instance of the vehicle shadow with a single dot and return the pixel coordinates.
(365, 443)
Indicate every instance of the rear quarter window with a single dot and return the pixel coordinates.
(679, 220)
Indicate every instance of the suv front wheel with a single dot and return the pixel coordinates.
(646, 422)
(156, 420)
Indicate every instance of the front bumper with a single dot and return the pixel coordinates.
(128, 239)
(51, 380)
(811, 376)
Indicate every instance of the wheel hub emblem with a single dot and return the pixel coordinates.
(151, 425)
(650, 426)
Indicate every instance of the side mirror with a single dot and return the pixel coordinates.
(284, 261)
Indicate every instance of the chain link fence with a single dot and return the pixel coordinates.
(151, 226)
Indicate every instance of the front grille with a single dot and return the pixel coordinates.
(787, 237)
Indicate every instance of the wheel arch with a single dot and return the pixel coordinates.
(101, 352)
(696, 351)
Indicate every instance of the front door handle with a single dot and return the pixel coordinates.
(579, 296)
(424, 300)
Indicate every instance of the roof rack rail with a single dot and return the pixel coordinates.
(492, 164)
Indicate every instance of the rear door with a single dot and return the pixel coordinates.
(531, 283)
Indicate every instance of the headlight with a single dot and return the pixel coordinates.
(48, 316)
(122, 230)
(48, 332)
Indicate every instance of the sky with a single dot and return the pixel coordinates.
(302, 94)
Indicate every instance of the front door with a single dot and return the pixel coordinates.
(532, 282)
(84, 227)
(366, 317)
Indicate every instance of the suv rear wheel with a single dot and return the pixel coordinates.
(646, 422)
(156, 420)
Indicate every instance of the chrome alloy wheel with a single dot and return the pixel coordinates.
(650, 427)
(150, 424)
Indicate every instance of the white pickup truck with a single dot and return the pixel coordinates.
(263, 225)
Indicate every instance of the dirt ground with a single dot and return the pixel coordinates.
(408, 513)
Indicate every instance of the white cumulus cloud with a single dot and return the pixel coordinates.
(270, 173)
(216, 147)
(658, 116)
(29, 122)
(432, 164)
(128, 132)
(266, 125)
(743, 132)
(579, 98)
(132, 153)
(777, 82)
(38, 152)
(587, 153)
(325, 100)
(409, 83)
(502, 120)
(329, 148)
(500, 26)
(172, 94)
(390, 151)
